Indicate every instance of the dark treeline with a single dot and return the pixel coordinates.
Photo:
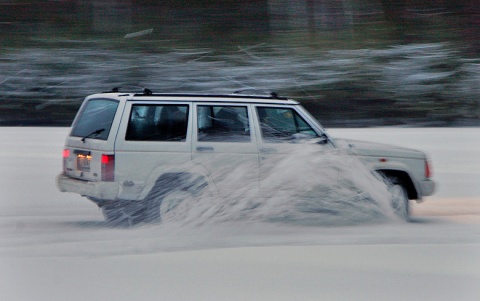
(213, 20)
(352, 62)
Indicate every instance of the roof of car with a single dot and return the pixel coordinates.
(238, 96)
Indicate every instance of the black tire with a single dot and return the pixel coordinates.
(400, 200)
(124, 214)
(169, 191)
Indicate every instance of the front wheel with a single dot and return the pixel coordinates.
(399, 201)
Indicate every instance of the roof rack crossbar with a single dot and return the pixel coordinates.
(272, 94)
(146, 91)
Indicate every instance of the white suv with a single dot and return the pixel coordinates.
(126, 151)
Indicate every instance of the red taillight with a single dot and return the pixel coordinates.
(107, 158)
(65, 155)
(108, 167)
(428, 170)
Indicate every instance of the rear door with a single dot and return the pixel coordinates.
(224, 143)
(153, 139)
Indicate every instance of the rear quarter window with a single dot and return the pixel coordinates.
(96, 115)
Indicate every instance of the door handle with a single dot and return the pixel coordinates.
(204, 149)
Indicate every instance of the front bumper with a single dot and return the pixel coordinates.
(427, 187)
(98, 190)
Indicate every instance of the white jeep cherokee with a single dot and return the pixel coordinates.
(126, 151)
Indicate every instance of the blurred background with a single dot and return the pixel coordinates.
(352, 63)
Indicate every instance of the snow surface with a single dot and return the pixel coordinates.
(56, 246)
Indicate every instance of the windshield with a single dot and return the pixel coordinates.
(96, 117)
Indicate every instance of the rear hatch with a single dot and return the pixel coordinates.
(88, 152)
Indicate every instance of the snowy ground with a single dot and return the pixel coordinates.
(55, 246)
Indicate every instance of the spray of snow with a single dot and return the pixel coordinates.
(315, 186)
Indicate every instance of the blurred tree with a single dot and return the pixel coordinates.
(395, 13)
(469, 14)
(394, 10)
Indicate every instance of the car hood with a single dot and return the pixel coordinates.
(364, 148)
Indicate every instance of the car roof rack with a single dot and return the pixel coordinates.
(146, 91)
(272, 94)
(114, 90)
(238, 93)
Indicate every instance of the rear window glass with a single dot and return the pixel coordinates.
(95, 119)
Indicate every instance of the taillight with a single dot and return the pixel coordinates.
(65, 155)
(108, 167)
(428, 170)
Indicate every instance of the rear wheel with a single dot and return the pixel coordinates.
(124, 213)
(171, 201)
(169, 191)
(159, 208)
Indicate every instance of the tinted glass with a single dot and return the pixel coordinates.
(281, 124)
(158, 123)
(223, 124)
(96, 117)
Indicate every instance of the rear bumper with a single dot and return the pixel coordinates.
(98, 190)
(427, 187)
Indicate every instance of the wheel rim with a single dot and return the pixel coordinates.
(400, 201)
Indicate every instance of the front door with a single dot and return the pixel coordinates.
(287, 146)
(224, 144)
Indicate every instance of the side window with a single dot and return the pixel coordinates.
(158, 123)
(223, 124)
(97, 115)
(282, 124)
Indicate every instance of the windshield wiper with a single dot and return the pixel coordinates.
(92, 134)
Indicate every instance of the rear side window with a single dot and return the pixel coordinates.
(95, 119)
(223, 124)
(158, 123)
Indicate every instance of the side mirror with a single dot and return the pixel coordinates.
(323, 139)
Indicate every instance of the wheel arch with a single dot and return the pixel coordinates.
(167, 179)
(404, 178)
(181, 180)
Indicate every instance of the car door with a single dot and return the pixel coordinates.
(285, 135)
(153, 139)
(225, 145)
